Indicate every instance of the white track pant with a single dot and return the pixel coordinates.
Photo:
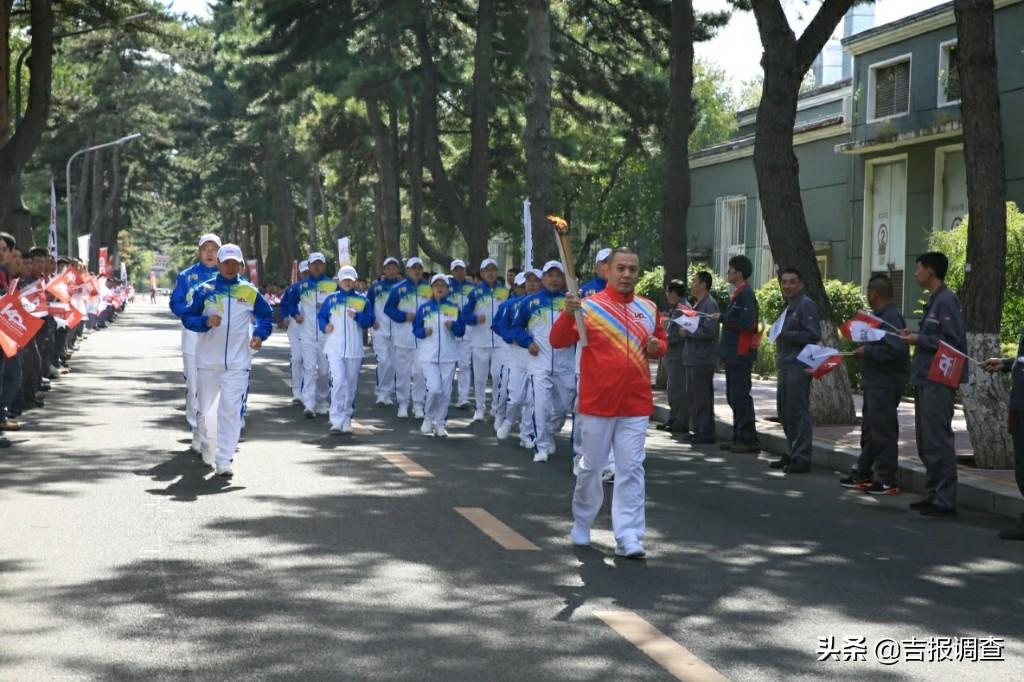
(384, 351)
(465, 370)
(295, 347)
(500, 403)
(408, 374)
(553, 396)
(484, 363)
(520, 402)
(438, 377)
(188, 363)
(344, 380)
(316, 374)
(220, 401)
(597, 436)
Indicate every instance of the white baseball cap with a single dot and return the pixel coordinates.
(487, 262)
(457, 263)
(391, 259)
(553, 264)
(209, 237)
(229, 252)
(303, 266)
(520, 279)
(603, 255)
(348, 272)
(316, 257)
(535, 272)
(414, 261)
(439, 278)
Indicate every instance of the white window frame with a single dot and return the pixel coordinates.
(940, 97)
(938, 198)
(873, 69)
(724, 254)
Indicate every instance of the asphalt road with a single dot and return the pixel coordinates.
(121, 558)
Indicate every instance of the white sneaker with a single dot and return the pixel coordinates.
(462, 404)
(440, 431)
(631, 550)
(497, 425)
(346, 427)
(388, 402)
(417, 412)
(540, 457)
(197, 443)
(478, 416)
(502, 431)
(335, 429)
(225, 471)
(580, 536)
(208, 456)
(380, 401)
(608, 476)
(575, 466)
(527, 444)
(427, 428)
(403, 412)
(322, 408)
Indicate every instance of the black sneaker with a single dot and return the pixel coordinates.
(779, 464)
(921, 504)
(879, 488)
(856, 481)
(797, 468)
(308, 414)
(936, 510)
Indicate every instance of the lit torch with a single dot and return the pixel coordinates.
(565, 252)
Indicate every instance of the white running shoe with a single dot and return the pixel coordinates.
(347, 427)
(440, 431)
(335, 429)
(322, 408)
(580, 536)
(225, 471)
(427, 428)
(380, 401)
(388, 402)
(527, 444)
(541, 456)
(631, 550)
(403, 412)
(502, 431)
(208, 456)
(417, 412)
(197, 443)
(478, 416)
(462, 404)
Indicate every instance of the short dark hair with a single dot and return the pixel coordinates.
(705, 278)
(881, 285)
(621, 249)
(8, 239)
(38, 252)
(677, 287)
(791, 271)
(936, 261)
(742, 265)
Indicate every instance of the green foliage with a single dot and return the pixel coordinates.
(953, 243)
(652, 285)
(846, 299)
(769, 300)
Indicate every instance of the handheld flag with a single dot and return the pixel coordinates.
(53, 221)
(17, 326)
(688, 321)
(58, 286)
(820, 360)
(776, 327)
(861, 319)
(947, 366)
(861, 332)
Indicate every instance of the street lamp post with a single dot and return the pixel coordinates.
(119, 141)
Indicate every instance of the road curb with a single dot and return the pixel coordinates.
(973, 493)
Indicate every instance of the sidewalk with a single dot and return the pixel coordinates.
(837, 447)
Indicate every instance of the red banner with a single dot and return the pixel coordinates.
(17, 327)
(861, 316)
(295, 271)
(825, 367)
(58, 286)
(104, 261)
(947, 365)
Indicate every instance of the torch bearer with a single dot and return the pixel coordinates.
(565, 251)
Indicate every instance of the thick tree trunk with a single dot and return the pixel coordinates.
(387, 174)
(282, 211)
(785, 60)
(985, 398)
(311, 217)
(677, 177)
(540, 161)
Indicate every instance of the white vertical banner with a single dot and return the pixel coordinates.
(52, 244)
(83, 250)
(264, 241)
(344, 253)
(124, 272)
(527, 236)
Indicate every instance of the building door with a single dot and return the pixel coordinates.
(889, 222)
(954, 190)
(731, 217)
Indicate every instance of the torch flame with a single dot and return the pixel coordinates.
(559, 224)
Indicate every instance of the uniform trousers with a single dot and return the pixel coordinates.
(295, 348)
(793, 401)
(438, 377)
(597, 436)
(933, 426)
(408, 374)
(520, 402)
(384, 351)
(220, 403)
(316, 374)
(553, 396)
(344, 380)
(188, 361)
(485, 361)
(465, 366)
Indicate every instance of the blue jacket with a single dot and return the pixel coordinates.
(290, 300)
(378, 298)
(739, 328)
(483, 300)
(237, 303)
(592, 287)
(188, 279)
(942, 320)
(346, 338)
(532, 323)
(801, 327)
(500, 323)
(440, 345)
(405, 297)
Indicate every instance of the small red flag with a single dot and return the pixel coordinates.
(947, 366)
(58, 286)
(17, 326)
(861, 316)
(825, 367)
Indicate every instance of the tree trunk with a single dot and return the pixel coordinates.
(311, 216)
(387, 175)
(677, 177)
(96, 207)
(281, 210)
(785, 60)
(479, 158)
(985, 398)
(540, 162)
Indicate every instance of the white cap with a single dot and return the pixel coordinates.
(520, 279)
(391, 259)
(209, 237)
(487, 262)
(316, 257)
(303, 266)
(348, 272)
(535, 272)
(603, 255)
(457, 263)
(229, 252)
(413, 262)
(438, 278)
(553, 264)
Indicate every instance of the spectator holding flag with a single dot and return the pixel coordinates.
(1015, 366)
(942, 330)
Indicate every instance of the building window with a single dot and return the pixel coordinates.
(949, 74)
(731, 219)
(889, 89)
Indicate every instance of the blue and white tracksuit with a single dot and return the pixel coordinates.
(350, 313)
(188, 279)
(499, 327)
(459, 295)
(519, 407)
(552, 371)
(483, 302)
(316, 373)
(405, 298)
(438, 353)
(224, 359)
(383, 346)
(289, 309)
